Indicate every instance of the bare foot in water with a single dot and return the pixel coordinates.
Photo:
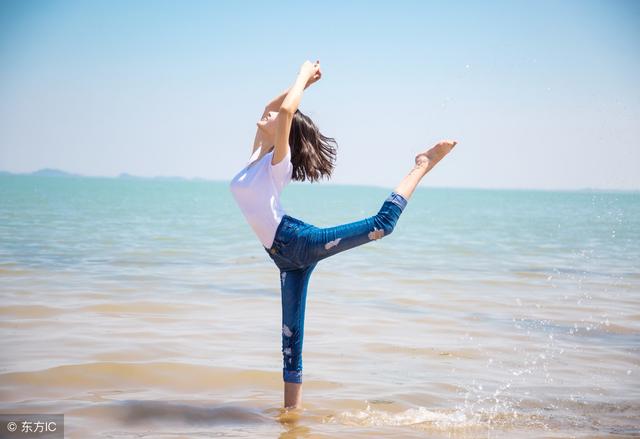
(429, 158)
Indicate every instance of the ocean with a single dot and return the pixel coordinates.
(148, 308)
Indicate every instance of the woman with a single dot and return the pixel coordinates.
(287, 146)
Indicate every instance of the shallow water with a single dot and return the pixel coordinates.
(146, 308)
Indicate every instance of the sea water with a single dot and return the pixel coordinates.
(140, 307)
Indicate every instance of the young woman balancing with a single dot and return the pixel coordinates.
(288, 146)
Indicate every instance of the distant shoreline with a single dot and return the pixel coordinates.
(51, 172)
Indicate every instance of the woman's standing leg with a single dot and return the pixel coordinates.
(294, 285)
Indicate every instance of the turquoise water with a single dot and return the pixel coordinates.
(67, 222)
(485, 310)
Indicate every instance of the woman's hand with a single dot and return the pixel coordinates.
(311, 72)
(314, 78)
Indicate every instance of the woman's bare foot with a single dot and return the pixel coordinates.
(424, 162)
(429, 158)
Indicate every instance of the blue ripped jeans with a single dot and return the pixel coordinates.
(297, 248)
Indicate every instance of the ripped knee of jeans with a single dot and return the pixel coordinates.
(384, 222)
(333, 243)
(376, 233)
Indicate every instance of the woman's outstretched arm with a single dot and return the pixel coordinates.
(308, 72)
(289, 106)
(275, 103)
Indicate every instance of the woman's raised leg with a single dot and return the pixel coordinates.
(320, 243)
(425, 161)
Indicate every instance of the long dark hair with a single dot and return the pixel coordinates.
(313, 155)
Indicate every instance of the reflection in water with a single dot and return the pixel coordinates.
(152, 413)
(132, 412)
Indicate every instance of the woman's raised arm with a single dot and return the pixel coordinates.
(288, 107)
(276, 103)
(307, 73)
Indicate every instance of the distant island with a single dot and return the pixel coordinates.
(50, 172)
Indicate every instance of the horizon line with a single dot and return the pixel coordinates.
(58, 173)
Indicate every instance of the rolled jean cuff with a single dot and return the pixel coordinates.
(398, 200)
(292, 376)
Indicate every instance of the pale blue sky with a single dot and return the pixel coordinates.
(538, 94)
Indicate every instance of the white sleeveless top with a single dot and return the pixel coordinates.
(256, 189)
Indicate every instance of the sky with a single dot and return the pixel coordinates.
(539, 95)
